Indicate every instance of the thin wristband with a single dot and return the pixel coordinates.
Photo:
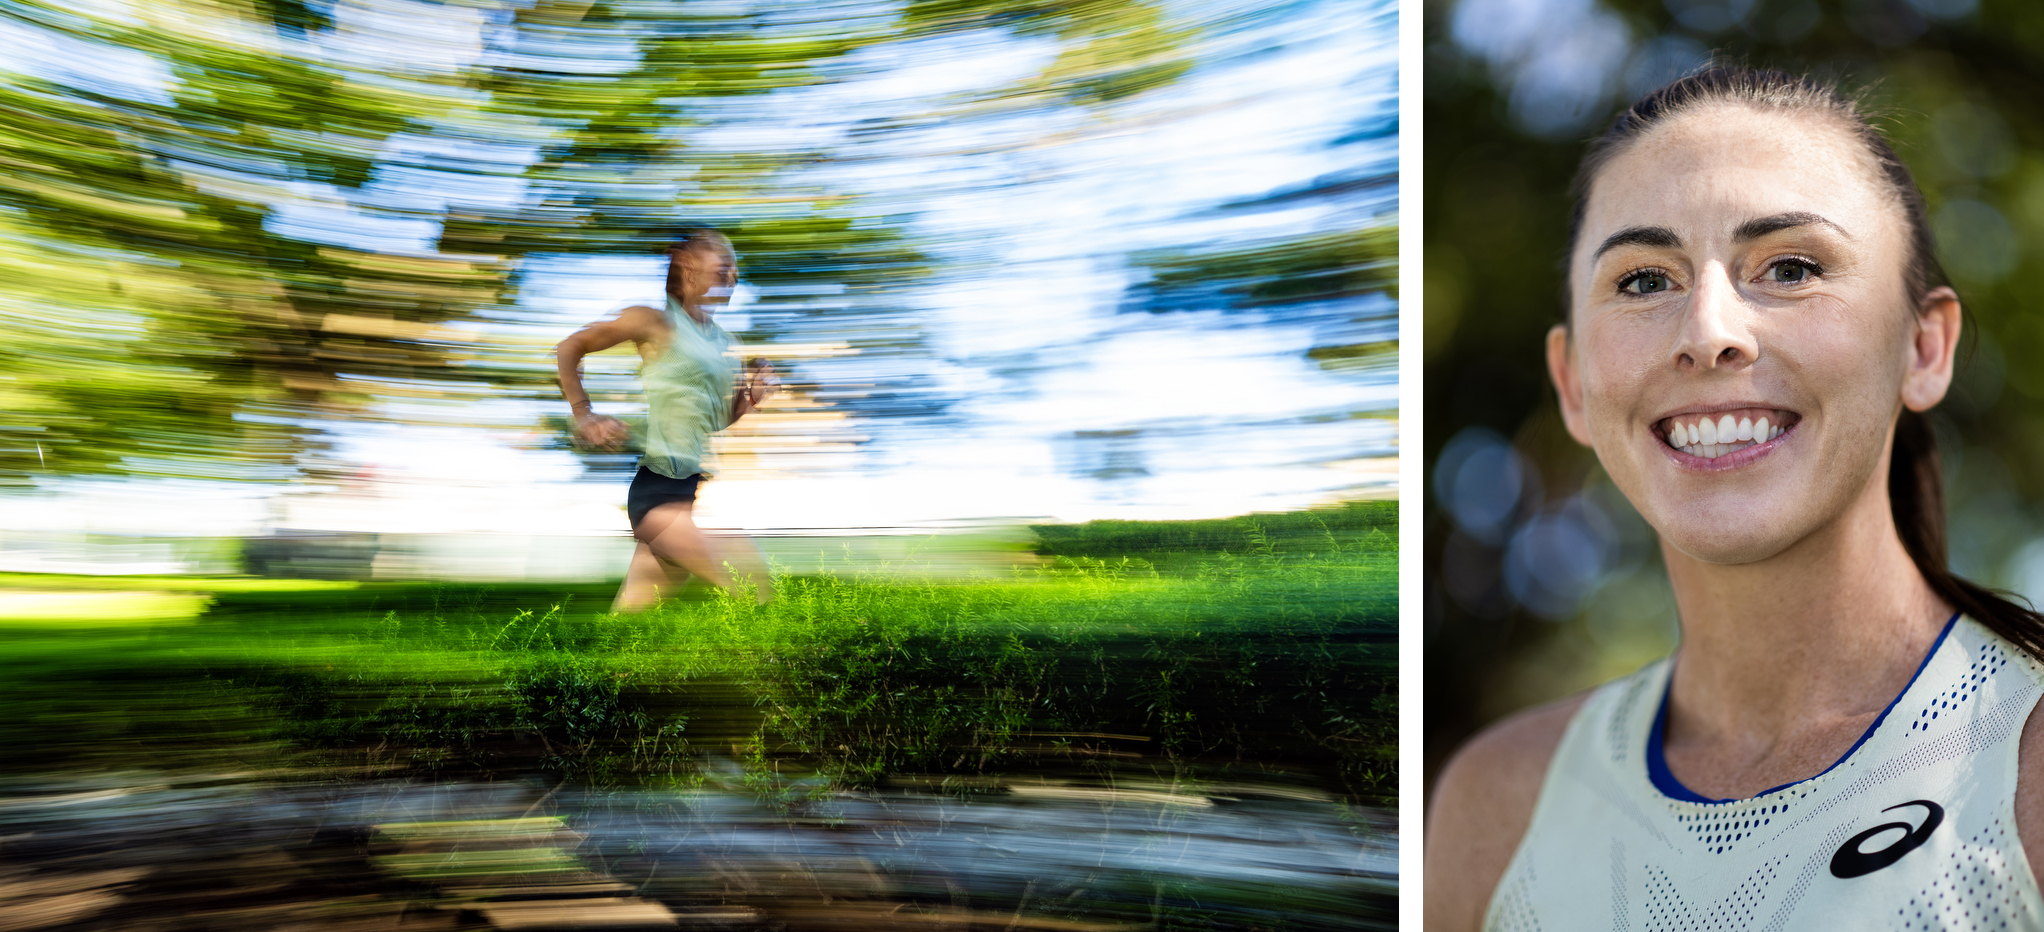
(579, 404)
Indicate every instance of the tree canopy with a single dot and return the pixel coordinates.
(175, 313)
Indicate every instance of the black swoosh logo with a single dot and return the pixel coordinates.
(1851, 862)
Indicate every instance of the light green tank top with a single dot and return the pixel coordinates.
(688, 395)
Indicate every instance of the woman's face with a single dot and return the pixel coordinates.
(707, 273)
(1737, 266)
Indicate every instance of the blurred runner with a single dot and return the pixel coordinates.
(694, 387)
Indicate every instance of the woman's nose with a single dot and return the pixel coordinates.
(1716, 331)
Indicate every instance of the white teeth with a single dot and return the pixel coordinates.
(1711, 439)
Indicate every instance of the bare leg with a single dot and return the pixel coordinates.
(671, 548)
(670, 532)
(739, 551)
(647, 581)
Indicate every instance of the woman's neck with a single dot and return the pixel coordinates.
(1784, 657)
(696, 312)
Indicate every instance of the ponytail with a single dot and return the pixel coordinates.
(1916, 497)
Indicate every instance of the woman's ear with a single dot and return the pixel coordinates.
(1933, 350)
(1568, 384)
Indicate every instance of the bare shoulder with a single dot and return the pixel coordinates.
(635, 324)
(1480, 807)
(639, 316)
(2030, 789)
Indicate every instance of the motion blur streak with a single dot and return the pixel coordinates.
(275, 240)
(1185, 724)
(299, 565)
(504, 855)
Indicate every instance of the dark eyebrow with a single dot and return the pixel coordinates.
(1755, 229)
(1660, 237)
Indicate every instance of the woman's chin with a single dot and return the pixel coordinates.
(1724, 546)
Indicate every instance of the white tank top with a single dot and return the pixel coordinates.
(1914, 828)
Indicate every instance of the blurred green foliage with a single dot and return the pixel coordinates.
(160, 320)
(1955, 86)
(1263, 645)
(1345, 264)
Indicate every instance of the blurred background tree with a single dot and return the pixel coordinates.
(1541, 580)
(173, 311)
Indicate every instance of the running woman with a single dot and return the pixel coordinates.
(1845, 738)
(694, 387)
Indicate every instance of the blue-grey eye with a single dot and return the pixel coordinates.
(1645, 283)
(1790, 272)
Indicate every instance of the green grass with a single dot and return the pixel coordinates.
(1205, 649)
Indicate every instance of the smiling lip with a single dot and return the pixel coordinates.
(1724, 435)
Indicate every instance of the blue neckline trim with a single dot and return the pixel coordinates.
(1657, 757)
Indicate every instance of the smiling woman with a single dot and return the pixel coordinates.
(1756, 322)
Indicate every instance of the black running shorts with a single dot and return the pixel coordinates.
(650, 490)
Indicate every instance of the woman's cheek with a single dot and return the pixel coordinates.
(1621, 369)
(1857, 371)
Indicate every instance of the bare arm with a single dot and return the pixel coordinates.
(634, 324)
(1479, 810)
(2029, 795)
(754, 388)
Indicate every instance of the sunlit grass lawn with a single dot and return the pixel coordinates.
(1264, 644)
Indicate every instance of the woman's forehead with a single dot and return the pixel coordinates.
(1710, 170)
(704, 252)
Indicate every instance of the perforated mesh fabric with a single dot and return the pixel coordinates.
(1512, 910)
(1979, 889)
(1911, 830)
(1621, 912)
(1668, 911)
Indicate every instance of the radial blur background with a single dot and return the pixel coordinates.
(1541, 579)
(283, 267)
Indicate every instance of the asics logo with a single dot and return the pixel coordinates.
(1852, 862)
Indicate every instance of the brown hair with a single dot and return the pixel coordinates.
(1916, 487)
(690, 240)
(697, 238)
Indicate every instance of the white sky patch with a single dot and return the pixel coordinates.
(406, 35)
(53, 56)
(346, 226)
(1162, 373)
(409, 187)
(940, 66)
(1023, 306)
(576, 290)
(503, 157)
